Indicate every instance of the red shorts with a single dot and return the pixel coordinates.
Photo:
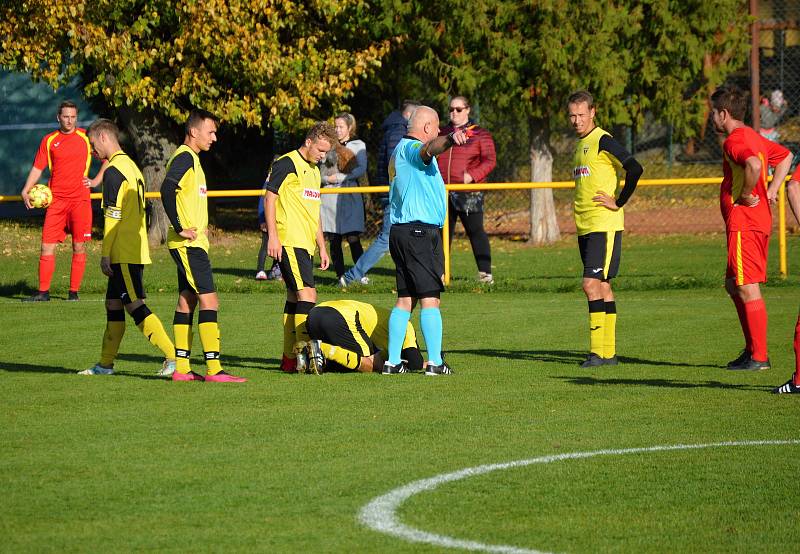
(68, 216)
(747, 257)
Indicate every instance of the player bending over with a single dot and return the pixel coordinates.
(347, 335)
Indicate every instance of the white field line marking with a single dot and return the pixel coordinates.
(380, 514)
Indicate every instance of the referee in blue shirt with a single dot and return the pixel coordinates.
(418, 204)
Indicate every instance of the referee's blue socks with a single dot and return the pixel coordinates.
(430, 320)
(398, 321)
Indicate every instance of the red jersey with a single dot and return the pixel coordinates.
(796, 175)
(68, 156)
(741, 144)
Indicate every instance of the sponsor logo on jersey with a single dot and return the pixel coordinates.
(203, 190)
(311, 194)
(581, 171)
(585, 150)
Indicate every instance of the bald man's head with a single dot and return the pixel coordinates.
(424, 124)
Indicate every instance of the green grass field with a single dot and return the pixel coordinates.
(286, 463)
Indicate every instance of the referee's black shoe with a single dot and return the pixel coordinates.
(391, 369)
(441, 369)
(593, 360)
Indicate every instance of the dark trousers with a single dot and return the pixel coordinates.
(337, 254)
(473, 225)
(262, 253)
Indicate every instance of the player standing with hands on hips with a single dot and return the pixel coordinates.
(418, 204)
(66, 152)
(745, 204)
(599, 220)
(184, 194)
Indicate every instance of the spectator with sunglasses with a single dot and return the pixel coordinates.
(469, 163)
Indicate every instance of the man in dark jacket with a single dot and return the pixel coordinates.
(469, 163)
(394, 127)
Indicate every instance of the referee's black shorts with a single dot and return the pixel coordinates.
(416, 249)
(194, 269)
(601, 253)
(126, 283)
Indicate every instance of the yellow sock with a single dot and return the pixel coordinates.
(288, 329)
(300, 317)
(209, 337)
(182, 329)
(341, 356)
(597, 316)
(151, 327)
(610, 331)
(115, 330)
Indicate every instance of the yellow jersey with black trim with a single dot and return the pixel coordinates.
(185, 183)
(296, 181)
(595, 170)
(125, 230)
(374, 321)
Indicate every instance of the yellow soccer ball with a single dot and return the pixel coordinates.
(40, 196)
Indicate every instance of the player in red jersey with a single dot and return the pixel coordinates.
(66, 152)
(745, 204)
(792, 386)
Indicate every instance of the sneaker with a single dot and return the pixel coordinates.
(97, 369)
(288, 365)
(364, 280)
(610, 361)
(441, 369)
(485, 278)
(787, 388)
(593, 360)
(275, 273)
(342, 282)
(750, 364)
(743, 357)
(72, 296)
(316, 360)
(41, 296)
(391, 369)
(261, 276)
(223, 377)
(167, 368)
(191, 376)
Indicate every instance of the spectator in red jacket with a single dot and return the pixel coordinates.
(469, 163)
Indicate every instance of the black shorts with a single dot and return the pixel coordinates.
(600, 261)
(416, 249)
(329, 325)
(297, 268)
(194, 269)
(126, 283)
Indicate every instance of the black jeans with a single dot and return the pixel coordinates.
(337, 254)
(473, 225)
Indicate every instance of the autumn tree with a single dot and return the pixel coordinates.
(252, 62)
(525, 58)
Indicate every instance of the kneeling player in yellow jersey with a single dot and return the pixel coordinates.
(125, 251)
(599, 220)
(347, 335)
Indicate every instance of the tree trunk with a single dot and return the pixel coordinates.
(544, 225)
(151, 136)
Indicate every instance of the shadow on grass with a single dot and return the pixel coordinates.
(228, 361)
(34, 368)
(667, 383)
(567, 357)
(14, 290)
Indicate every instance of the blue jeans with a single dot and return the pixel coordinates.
(373, 254)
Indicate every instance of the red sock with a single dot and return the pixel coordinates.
(757, 325)
(47, 266)
(797, 352)
(748, 341)
(76, 273)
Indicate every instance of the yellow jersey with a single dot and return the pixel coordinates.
(125, 231)
(296, 182)
(374, 321)
(595, 169)
(184, 194)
